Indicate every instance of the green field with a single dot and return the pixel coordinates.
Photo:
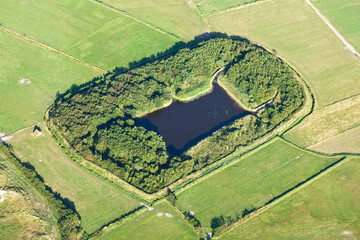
(253, 181)
(346, 142)
(208, 7)
(326, 209)
(345, 16)
(97, 202)
(326, 123)
(178, 17)
(25, 104)
(299, 35)
(84, 30)
(151, 227)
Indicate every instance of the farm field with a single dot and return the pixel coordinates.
(208, 7)
(253, 181)
(25, 104)
(329, 208)
(344, 15)
(91, 33)
(326, 123)
(299, 35)
(153, 225)
(177, 17)
(97, 202)
(346, 142)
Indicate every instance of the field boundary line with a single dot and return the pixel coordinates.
(236, 160)
(306, 150)
(202, 17)
(340, 162)
(44, 46)
(126, 14)
(182, 216)
(347, 130)
(246, 5)
(348, 46)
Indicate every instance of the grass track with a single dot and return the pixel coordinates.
(252, 181)
(96, 201)
(151, 227)
(22, 104)
(298, 34)
(325, 209)
(84, 30)
(344, 15)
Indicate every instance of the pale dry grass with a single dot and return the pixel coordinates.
(346, 142)
(326, 123)
(19, 215)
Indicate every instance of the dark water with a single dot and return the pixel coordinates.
(182, 125)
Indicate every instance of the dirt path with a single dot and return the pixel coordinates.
(39, 44)
(347, 45)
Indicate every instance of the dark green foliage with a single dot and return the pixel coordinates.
(98, 121)
(171, 197)
(67, 219)
(221, 223)
(192, 220)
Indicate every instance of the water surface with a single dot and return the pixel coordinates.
(182, 125)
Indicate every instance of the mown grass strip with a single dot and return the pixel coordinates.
(39, 44)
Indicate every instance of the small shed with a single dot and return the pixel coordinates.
(37, 131)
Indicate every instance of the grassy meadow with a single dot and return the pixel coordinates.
(345, 16)
(329, 208)
(252, 181)
(98, 202)
(84, 30)
(177, 17)
(208, 7)
(346, 142)
(326, 123)
(299, 35)
(150, 226)
(25, 104)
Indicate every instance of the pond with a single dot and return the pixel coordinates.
(183, 124)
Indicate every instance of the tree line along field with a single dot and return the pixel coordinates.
(24, 104)
(298, 34)
(98, 202)
(328, 208)
(91, 33)
(344, 15)
(253, 181)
